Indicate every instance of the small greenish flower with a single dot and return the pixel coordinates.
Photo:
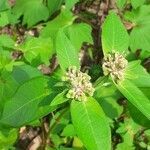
(114, 65)
(79, 84)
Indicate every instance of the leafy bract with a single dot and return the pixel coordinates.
(91, 124)
(66, 53)
(33, 11)
(24, 104)
(135, 96)
(114, 35)
(40, 49)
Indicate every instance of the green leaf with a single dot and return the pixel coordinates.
(68, 131)
(66, 53)
(127, 130)
(73, 32)
(121, 3)
(107, 95)
(33, 11)
(3, 19)
(6, 61)
(24, 73)
(70, 3)
(125, 145)
(114, 35)
(23, 105)
(139, 36)
(91, 124)
(146, 90)
(137, 3)
(10, 81)
(3, 5)
(65, 18)
(144, 54)
(8, 85)
(140, 77)
(40, 49)
(7, 138)
(6, 41)
(77, 143)
(54, 5)
(6, 17)
(64, 116)
(59, 99)
(137, 116)
(147, 133)
(135, 96)
(44, 107)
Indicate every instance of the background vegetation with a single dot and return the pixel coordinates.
(40, 40)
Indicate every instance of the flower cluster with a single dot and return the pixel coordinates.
(114, 64)
(79, 84)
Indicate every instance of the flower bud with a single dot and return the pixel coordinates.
(114, 65)
(79, 84)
